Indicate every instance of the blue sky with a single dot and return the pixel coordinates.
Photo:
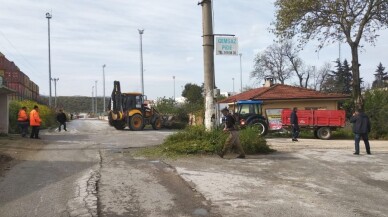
(85, 34)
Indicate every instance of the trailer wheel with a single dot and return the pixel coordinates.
(324, 133)
(136, 122)
(260, 126)
(157, 124)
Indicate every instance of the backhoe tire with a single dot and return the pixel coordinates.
(136, 122)
(324, 133)
(157, 124)
(119, 125)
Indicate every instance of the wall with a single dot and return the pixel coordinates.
(4, 113)
(301, 104)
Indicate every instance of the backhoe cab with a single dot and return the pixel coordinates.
(128, 109)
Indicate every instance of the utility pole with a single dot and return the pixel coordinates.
(173, 77)
(92, 99)
(141, 32)
(241, 90)
(103, 84)
(208, 56)
(55, 89)
(96, 97)
(49, 16)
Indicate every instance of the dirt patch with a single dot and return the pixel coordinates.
(14, 149)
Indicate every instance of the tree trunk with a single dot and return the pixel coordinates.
(357, 98)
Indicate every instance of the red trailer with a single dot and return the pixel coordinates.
(321, 121)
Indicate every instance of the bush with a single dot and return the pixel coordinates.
(46, 114)
(376, 107)
(197, 140)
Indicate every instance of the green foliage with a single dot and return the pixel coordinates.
(196, 140)
(193, 93)
(376, 107)
(46, 114)
(339, 81)
(379, 76)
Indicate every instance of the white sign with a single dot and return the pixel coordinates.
(226, 46)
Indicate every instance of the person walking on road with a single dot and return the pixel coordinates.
(361, 128)
(23, 121)
(35, 122)
(233, 138)
(61, 118)
(294, 124)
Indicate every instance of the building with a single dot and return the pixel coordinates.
(4, 107)
(16, 80)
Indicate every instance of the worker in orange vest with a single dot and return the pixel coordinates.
(23, 121)
(35, 122)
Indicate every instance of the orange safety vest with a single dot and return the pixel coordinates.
(34, 118)
(22, 115)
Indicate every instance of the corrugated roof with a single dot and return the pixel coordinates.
(283, 92)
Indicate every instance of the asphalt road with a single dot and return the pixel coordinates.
(91, 171)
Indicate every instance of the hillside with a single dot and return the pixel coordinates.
(76, 104)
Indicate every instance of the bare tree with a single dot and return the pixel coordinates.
(320, 76)
(302, 72)
(272, 63)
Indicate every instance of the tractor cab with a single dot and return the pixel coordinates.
(249, 113)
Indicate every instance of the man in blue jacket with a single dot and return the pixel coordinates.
(361, 128)
(295, 124)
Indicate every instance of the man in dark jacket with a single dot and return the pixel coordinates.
(295, 125)
(233, 138)
(361, 128)
(61, 118)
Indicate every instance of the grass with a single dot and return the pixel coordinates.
(198, 141)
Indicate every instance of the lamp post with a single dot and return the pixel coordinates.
(103, 84)
(141, 31)
(233, 84)
(92, 99)
(49, 16)
(173, 77)
(55, 89)
(240, 54)
(96, 96)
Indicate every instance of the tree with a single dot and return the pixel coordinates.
(320, 76)
(272, 63)
(329, 20)
(302, 72)
(379, 77)
(339, 81)
(193, 93)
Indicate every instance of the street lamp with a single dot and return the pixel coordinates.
(141, 31)
(240, 54)
(92, 99)
(173, 77)
(55, 89)
(49, 16)
(96, 96)
(233, 84)
(103, 84)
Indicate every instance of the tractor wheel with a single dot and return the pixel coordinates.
(324, 133)
(261, 126)
(136, 122)
(119, 125)
(157, 124)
